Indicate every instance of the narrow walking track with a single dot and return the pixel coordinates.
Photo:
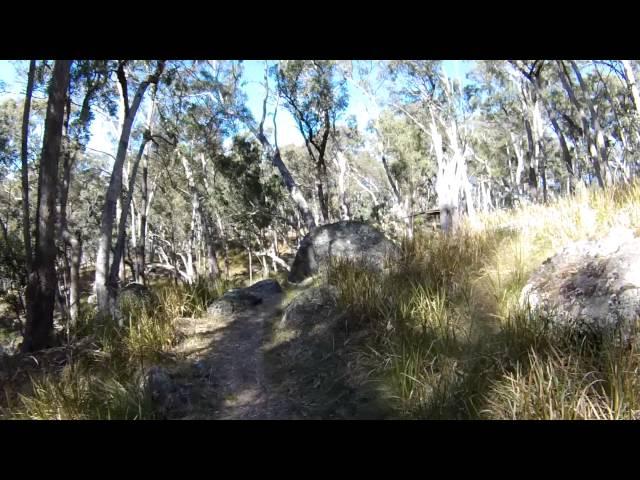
(221, 367)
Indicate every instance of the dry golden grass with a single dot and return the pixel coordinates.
(451, 340)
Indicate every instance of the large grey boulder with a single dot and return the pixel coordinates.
(314, 310)
(350, 240)
(264, 289)
(590, 286)
(239, 299)
(161, 390)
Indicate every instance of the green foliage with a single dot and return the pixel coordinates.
(312, 91)
(248, 184)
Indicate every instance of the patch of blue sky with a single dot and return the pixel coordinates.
(360, 105)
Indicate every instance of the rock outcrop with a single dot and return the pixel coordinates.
(238, 299)
(355, 241)
(590, 286)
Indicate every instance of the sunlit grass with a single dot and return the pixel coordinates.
(451, 339)
(103, 379)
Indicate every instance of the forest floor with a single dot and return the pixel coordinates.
(221, 371)
(237, 367)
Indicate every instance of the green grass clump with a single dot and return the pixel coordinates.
(102, 379)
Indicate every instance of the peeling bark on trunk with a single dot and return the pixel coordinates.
(447, 185)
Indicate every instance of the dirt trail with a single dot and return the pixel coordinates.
(221, 368)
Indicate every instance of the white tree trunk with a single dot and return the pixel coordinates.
(631, 83)
(341, 162)
(105, 292)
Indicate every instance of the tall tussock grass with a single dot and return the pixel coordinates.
(450, 339)
(102, 379)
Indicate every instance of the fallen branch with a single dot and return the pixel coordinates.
(168, 267)
(275, 258)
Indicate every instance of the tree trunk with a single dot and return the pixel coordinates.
(552, 114)
(74, 242)
(105, 292)
(140, 252)
(532, 143)
(591, 147)
(212, 259)
(225, 247)
(341, 162)
(566, 154)
(42, 283)
(26, 222)
(263, 258)
(448, 180)
(122, 225)
(133, 237)
(520, 165)
(322, 195)
(74, 288)
(146, 202)
(618, 127)
(294, 191)
(631, 84)
(595, 122)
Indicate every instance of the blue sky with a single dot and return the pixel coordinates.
(103, 137)
(359, 104)
(8, 76)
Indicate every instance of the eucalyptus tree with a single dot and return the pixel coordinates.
(106, 279)
(409, 166)
(428, 97)
(196, 132)
(42, 283)
(315, 95)
(88, 89)
(224, 94)
(590, 125)
(24, 157)
(252, 200)
(372, 80)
